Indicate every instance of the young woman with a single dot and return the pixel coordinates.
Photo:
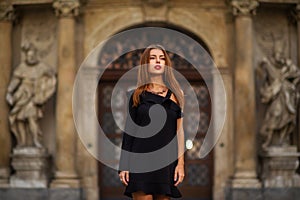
(156, 85)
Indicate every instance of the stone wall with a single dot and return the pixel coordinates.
(223, 26)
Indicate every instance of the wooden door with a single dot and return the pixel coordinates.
(198, 181)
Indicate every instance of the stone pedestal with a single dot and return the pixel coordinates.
(279, 165)
(32, 167)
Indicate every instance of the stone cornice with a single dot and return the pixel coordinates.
(155, 3)
(30, 2)
(244, 7)
(6, 12)
(66, 8)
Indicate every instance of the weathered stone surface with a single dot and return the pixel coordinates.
(262, 194)
(65, 175)
(38, 194)
(32, 167)
(244, 98)
(279, 166)
(210, 21)
(5, 70)
(38, 81)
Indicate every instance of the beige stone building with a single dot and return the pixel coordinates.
(240, 36)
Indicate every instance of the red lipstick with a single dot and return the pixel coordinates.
(157, 67)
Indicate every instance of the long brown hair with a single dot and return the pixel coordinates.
(143, 81)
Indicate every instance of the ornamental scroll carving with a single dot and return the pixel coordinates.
(280, 93)
(66, 8)
(295, 14)
(244, 7)
(6, 12)
(32, 84)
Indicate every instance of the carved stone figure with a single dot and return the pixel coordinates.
(279, 91)
(32, 84)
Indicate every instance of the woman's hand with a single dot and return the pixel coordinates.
(124, 177)
(179, 174)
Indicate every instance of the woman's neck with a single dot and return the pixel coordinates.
(157, 81)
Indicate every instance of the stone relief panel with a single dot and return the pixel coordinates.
(39, 27)
(271, 28)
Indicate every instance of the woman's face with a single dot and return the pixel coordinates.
(157, 62)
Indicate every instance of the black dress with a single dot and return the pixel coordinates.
(160, 181)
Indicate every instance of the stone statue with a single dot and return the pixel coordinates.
(32, 84)
(279, 91)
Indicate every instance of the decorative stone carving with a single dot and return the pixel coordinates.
(279, 92)
(269, 30)
(244, 7)
(295, 14)
(66, 8)
(6, 12)
(32, 84)
(40, 28)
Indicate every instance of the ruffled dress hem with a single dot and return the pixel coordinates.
(153, 188)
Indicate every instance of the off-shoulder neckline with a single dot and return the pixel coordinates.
(164, 98)
(167, 94)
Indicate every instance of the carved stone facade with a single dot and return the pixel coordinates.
(65, 8)
(238, 34)
(7, 12)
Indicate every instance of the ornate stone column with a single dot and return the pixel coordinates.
(65, 175)
(297, 17)
(6, 18)
(245, 175)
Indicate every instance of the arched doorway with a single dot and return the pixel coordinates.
(198, 182)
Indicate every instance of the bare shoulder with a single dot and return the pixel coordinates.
(173, 98)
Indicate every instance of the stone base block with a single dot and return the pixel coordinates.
(32, 168)
(65, 183)
(16, 181)
(262, 194)
(42, 193)
(4, 177)
(244, 179)
(65, 180)
(279, 165)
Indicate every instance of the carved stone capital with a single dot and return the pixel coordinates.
(244, 7)
(66, 8)
(6, 12)
(295, 14)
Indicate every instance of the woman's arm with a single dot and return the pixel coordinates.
(179, 170)
(127, 141)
